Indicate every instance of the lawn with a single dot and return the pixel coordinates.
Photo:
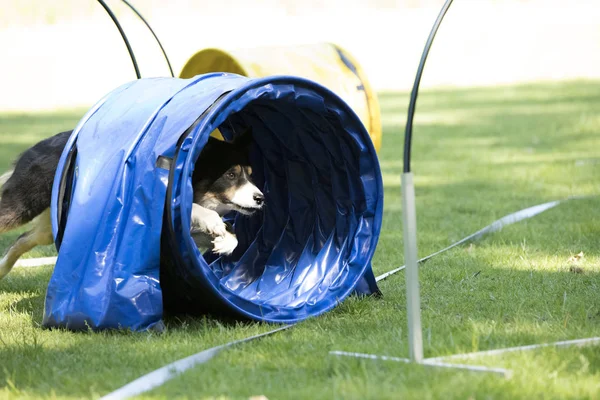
(478, 154)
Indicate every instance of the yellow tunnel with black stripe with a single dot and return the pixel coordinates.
(325, 63)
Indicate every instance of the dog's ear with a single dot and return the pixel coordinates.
(245, 139)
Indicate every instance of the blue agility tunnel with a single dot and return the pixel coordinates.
(122, 197)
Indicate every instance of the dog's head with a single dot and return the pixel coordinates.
(222, 177)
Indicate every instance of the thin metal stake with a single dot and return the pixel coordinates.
(413, 299)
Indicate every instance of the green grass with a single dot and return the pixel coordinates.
(479, 154)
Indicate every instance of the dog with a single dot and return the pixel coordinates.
(221, 183)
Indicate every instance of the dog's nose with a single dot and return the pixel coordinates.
(259, 199)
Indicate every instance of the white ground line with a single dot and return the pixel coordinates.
(493, 227)
(158, 377)
(565, 343)
(428, 362)
(35, 262)
(439, 361)
(369, 356)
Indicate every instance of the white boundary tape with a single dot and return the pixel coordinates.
(439, 361)
(428, 362)
(160, 376)
(565, 343)
(493, 227)
(35, 262)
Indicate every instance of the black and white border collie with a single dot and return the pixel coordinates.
(221, 182)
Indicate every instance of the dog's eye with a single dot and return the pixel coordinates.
(231, 175)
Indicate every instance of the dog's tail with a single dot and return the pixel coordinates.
(5, 177)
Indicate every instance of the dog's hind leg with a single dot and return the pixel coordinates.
(15, 202)
(41, 234)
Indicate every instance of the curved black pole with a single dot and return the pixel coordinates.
(116, 21)
(415, 89)
(153, 34)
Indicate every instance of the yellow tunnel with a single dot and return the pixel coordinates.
(324, 63)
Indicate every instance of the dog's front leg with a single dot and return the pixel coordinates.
(207, 221)
(208, 229)
(225, 244)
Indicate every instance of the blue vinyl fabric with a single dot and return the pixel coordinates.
(121, 220)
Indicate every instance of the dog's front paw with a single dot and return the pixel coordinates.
(207, 221)
(215, 226)
(224, 245)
